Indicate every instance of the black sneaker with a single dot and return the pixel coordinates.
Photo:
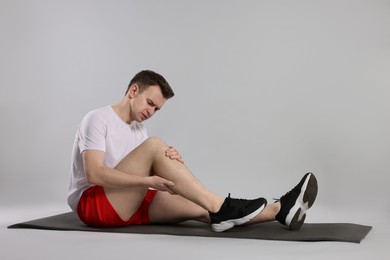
(296, 202)
(235, 212)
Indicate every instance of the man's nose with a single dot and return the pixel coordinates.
(150, 112)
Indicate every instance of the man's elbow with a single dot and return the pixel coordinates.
(93, 177)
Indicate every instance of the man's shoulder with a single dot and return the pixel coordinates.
(100, 112)
(98, 115)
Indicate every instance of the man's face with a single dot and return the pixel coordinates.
(146, 103)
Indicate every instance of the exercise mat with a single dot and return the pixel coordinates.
(342, 232)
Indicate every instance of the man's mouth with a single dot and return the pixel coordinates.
(143, 116)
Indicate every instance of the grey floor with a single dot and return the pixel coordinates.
(41, 244)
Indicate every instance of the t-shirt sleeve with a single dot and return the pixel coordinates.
(92, 133)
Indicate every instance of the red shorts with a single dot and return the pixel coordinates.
(94, 209)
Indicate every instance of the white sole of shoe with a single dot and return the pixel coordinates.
(297, 214)
(228, 224)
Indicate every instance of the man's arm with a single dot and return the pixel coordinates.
(97, 173)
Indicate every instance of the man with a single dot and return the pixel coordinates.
(121, 177)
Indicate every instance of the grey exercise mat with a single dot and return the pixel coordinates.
(343, 232)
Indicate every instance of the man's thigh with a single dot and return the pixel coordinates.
(94, 209)
(138, 162)
(125, 201)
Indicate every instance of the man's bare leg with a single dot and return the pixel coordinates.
(172, 209)
(149, 159)
(268, 214)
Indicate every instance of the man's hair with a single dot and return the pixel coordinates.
(147, 78)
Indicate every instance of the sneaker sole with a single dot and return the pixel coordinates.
(228, 224)
(305, 200)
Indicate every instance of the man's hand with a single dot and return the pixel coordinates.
(161, 184)
(173, 154)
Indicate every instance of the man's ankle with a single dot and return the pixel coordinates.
(216, 206)
(276, 208)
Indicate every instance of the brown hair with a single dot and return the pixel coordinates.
(147, 78)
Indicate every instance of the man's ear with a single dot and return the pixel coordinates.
(133, 91)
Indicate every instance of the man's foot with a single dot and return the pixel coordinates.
(235, 212)
(296, 202)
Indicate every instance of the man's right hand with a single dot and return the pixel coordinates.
(161, 184)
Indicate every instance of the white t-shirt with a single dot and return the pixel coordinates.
(101, 129)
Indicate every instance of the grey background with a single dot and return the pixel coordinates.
(265, 91)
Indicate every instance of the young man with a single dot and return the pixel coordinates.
(121, 177)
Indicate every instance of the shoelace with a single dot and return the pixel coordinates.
(237, 201)
(285, 195)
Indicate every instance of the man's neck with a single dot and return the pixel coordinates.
(122, 111)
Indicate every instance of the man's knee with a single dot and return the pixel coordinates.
(155, 143)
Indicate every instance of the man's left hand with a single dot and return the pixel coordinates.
(173, 154)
